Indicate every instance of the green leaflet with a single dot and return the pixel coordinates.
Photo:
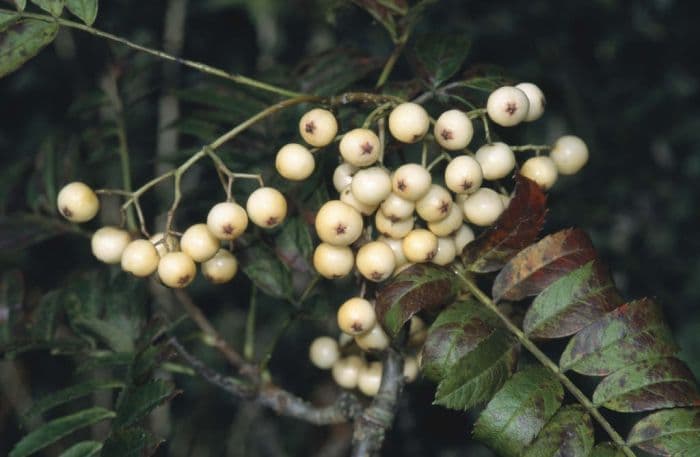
(568, 434)
(70, 393)
(55, 7)
(606, 450)
(130, 442)
(83, 449)
(86, 10)
(667, 432)
(517, 413)
(440, 55)
(263, 267)
(139, 401)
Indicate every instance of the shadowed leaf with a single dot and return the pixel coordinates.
(539, 265)
(83, 449)
(568, 434)
(333, 71)
(86, 10)
(21, 4)
(420, 287)
(55, 7)
(130, 442)
(648, 385)
(606, 450)
(23, 230)
(516, 229)
(266, 271)
(440, 55)
(7, 19)
(634, 332)
(668, 432)
(141, 400)
(70, 393)
(517, 413)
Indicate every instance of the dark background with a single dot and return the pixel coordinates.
(623, 75)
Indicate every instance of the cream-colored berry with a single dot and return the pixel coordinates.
(346, 371)
(446, 251)
(199, 243)
(417, 332)
(140, 258)
(227, 220)
(496, 159)
(338, 224)
(463, 175)
(370, 379)
(108, 244)
(318, 127)
(347, 197)
(324, 352)
(164, 244)
(342, 176)
(392, 228)
(395, 207)
(375, 261)
(371, 185)
(570, 154)
(448, 225)
(411, 181)
(463, 236)
(373, 340)
(333, 261)
(266, 207)
(483, 207)
(409, 122)
(540, 169)
(396, 248)
(294, 162)
(507, 106)
(176, 269)
(410, 369)
(356, 316)
(360, 147)
(453, 130)
(221, 268)
(434, 205)
(77, 202)
(536, 99)
(420, 246)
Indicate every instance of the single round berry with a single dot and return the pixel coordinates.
(360, 147)
(370, 379)
(346, 371)
(333, 261)
(411, 181)
(373, 340)
(227, 220)
(540, 169)
(356, 316)
(294, 162)
(221, 268)
(410, 369)
(496, 159)
(266, 207)
(434, 205)
(453, 130)
(507, 106)
(342, 176)
(420, 246)
(371, 185)
(77, 202)
(417, 332)
(409, 122)
(463, 236)
(448, 225)
(140, 258)
(199, 243)
(338, 224)
(536, 100)
(463, 175)
(392, 228)
(324, 352)
(108, 244)
(318, 127)
(375, 261)
(164, 244)
(347, 197)
(446, 251)
(176, 269)
(570, 154)
(395, 207)
(483, 207)
(396, 248)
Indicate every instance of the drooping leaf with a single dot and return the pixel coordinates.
(23, 230)
(139, 401)
(648, 385)
(633, 332)
(537, 266)
(517, 413)
(70, 393)
(111, 335)
(56, 429)
(55, 7)
(380, 13)
(477, 376)
(606, 450)
(667, 432)
(130, 442)
(294, 244)
(86, 10)
(83, 449)
(440, 55)
(420, 287)
(458, 330)
(514, 230)
(334, 71)
(266, 271)
(572, 302)
(568, 434)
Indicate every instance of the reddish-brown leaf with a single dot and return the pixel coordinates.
(516, 229)
(537, 266)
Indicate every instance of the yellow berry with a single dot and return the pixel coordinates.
(108, 244)
(221, 268)
(176, 269)
(77, 202)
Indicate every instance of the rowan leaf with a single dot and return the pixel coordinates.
(55, 7)
(668, 432)
(86, 10)
(441, 55)
(568, 434)
(606, 450)
(138, 401)
(83, 449)
(70, 393)
(130, 442)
